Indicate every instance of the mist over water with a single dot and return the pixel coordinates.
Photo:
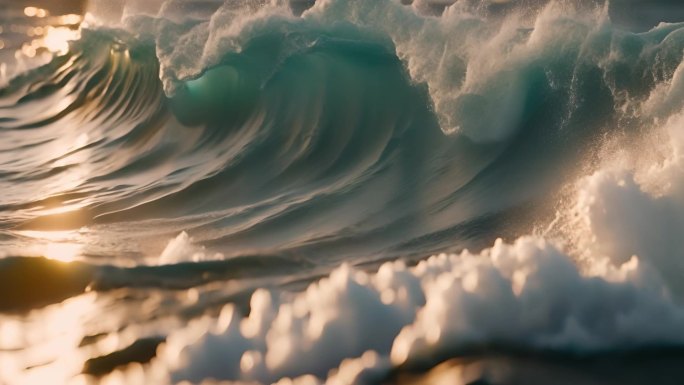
(342, 192)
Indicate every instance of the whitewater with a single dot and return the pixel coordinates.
(342, 192)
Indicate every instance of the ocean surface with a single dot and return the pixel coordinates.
(341, 192)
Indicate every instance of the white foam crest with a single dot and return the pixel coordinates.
(667, 97)
(188, 43)
(479, 71)
(628, 211)
(182, 249)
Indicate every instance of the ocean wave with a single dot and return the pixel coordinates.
(529, 296)
(213, 165)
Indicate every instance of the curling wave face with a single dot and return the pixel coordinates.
(207, 153)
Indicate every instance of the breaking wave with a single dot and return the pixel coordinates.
(266, 186)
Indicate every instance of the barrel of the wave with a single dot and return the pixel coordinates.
(226, 93)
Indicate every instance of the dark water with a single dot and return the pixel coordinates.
(162, 161)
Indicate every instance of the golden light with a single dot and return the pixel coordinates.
(56, 39)
(71, 19)
(35, 12)
(65, 252)
(49, 341)
(28, 50)
(30, 11)
(63, 246)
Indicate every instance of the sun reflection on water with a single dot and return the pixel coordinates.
(45, 346)
(46, 34)
(53, 39)
(57, 39)
(45, 343)
(64, 246)
(35, 12)
(65, 252)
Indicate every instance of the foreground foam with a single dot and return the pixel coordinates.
(526, 295)
(529, 295)
(630, 212)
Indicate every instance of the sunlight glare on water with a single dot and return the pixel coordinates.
(54, 36)
(57, 39)
(63, 246)
(51, 339)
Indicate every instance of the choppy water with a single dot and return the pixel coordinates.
(259, 191)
